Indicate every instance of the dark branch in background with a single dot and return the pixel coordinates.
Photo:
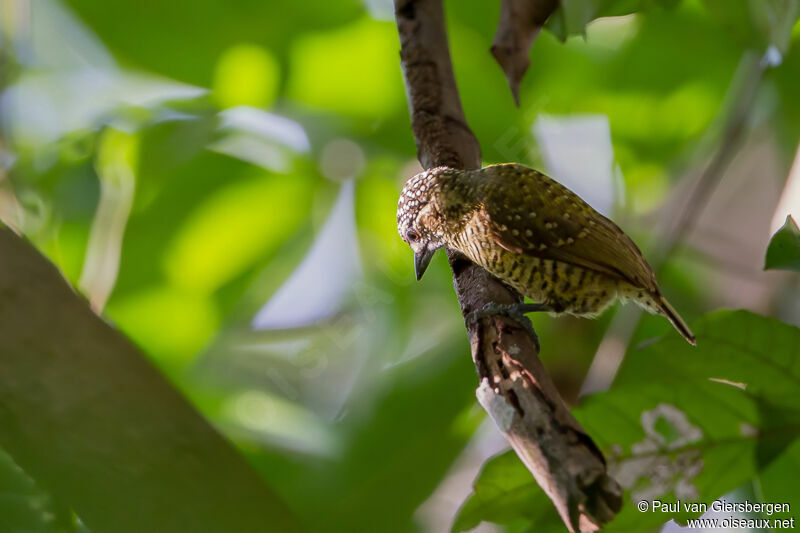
(520, 23)
(744, 89)
(514, 388)
(86, 415)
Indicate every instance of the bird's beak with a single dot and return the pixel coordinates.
(421, 261)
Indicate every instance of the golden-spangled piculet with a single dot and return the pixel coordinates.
(532, 233)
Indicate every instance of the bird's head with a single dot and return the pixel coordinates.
(420, 220)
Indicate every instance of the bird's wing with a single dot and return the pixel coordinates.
(531, 214)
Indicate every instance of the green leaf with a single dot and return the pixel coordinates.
(366, 43)
(24, 506)
(204, 30)
(778, 482)
(759, 353)
(503, 493)
(676, 420)
(572, 16)
(783, 252)
(759, 23)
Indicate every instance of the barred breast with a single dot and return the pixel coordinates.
(564, 287)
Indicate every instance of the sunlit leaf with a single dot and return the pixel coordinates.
(572, 16)
(235, 227)
(376, 204)
(783, 252)
(166, 321)
(184, 43)
(246, 75)
(358, 79)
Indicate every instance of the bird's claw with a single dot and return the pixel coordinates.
(509, 310)
(514, 311)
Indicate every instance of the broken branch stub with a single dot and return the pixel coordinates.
(519, 24)
(522, 400)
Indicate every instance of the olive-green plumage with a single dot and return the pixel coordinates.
(534, 234)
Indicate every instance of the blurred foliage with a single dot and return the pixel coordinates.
(180, 161)
(572, 16)
(26, 507)
(784, 249)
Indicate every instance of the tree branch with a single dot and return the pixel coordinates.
(85, 414)
(514, 388)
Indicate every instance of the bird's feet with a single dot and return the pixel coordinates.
(509, 310)
(514, 311)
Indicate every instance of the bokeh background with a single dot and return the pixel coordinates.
(220, 181)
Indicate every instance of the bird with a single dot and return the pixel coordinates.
(533, 234)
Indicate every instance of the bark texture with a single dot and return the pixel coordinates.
(514, 388)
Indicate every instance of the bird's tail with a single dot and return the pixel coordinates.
(668, 311)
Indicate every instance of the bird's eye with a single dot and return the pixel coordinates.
(412, 235)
